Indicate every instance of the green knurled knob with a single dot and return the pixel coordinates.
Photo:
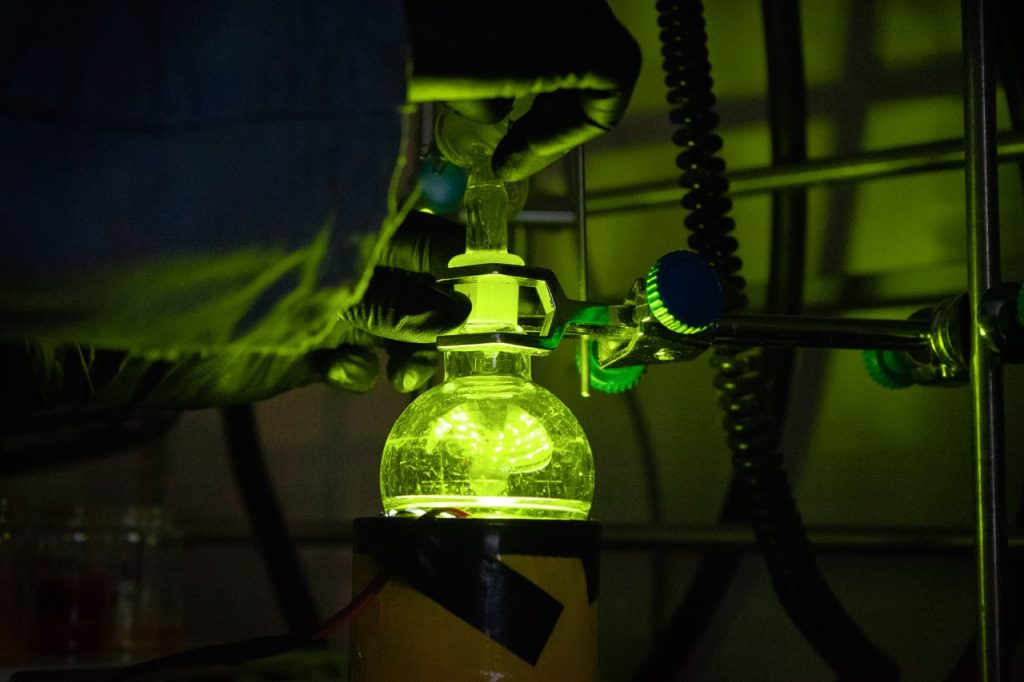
(888, 368)
(606, 380)
(610, 379)
(683, 292)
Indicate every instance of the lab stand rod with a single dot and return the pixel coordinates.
(792, 330)
(985, 373)
(581, 221)
(580, 179)
(934, 156)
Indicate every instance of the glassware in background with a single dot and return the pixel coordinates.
(11, 587)
(102, 585)
(68, 601)
(146, 610)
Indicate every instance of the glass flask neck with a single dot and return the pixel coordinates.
(458, 364)
(486, 211)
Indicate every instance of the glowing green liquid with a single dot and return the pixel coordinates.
(491, 507)
(420, 476)
(494, 445)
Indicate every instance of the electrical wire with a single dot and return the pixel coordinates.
(342, 618)
(373, 588)
(752, 418)
(244, 651)
(230, 654)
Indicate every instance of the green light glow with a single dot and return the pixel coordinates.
(484, 507)
(500, 441)
(490, 442)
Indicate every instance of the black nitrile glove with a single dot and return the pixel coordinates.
(402, 310)
(572, 54)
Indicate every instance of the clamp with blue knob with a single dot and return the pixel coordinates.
(668, 316)
(674, 313)
(683, 292)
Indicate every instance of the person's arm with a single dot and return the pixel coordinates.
(402, 302)
(199, 188)
(191, 176)
(573, 55)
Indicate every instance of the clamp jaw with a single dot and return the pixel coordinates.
(673, 315)
(944, 362)
(677, 290)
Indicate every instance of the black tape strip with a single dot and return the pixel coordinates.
(546, 537)
(491, 597)
(454, 562)
(592, 574)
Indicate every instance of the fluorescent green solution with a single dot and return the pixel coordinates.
(490, 442)
(492, 507)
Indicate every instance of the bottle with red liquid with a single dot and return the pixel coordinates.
(69, 600)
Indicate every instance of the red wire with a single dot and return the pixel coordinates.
(361, 601)
(370, 592)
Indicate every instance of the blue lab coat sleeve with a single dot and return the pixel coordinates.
(189, 176)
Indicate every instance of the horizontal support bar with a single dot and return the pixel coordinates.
(935, 156)
(814, 332)
(887, 541)
(877, 541)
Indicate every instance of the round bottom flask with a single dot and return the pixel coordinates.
(490, 442)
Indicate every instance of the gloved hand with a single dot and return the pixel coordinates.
(573, 55)
(402, 310)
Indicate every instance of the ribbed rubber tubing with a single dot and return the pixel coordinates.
(751, 420)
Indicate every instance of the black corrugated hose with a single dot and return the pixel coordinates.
(760, 370)
(752, 385)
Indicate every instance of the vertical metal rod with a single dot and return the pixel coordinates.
(986, 374)
(579, 161)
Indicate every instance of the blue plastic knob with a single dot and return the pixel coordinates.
(442, 184)
(684, 293)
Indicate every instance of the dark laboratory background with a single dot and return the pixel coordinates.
(883, 478)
